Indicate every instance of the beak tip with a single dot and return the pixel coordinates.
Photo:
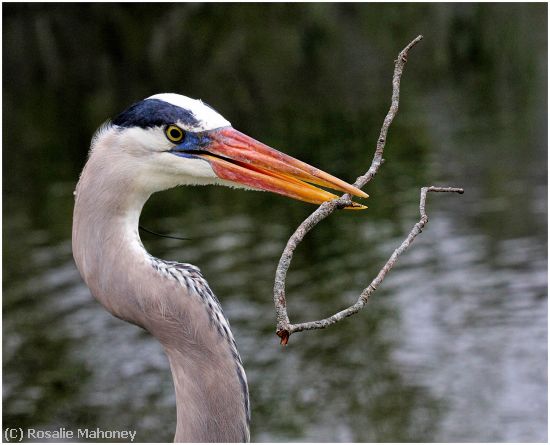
(362, 194)
(355, 191)
(356, 206)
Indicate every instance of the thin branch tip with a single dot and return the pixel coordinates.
(458, 190)
(413, 42)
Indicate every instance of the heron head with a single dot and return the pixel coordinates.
(172, 140)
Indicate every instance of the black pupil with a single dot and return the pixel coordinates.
(175, 133)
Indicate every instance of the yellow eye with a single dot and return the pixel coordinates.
(173, 133)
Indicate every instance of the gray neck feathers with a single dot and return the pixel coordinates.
(170, 300)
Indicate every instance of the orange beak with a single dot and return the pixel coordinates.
(239, 158)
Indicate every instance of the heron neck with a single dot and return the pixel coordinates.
(106, 245)
(210, 408)
(211, 391)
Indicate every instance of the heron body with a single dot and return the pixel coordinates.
(161, 142)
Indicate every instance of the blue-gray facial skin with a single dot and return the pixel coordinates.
(192, 141)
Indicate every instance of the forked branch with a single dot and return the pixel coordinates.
(284, 327)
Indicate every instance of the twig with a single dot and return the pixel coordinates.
(284, 327)
(369, 290)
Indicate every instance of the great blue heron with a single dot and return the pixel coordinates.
(161, 142)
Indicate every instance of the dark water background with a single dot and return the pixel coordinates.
(453, 346)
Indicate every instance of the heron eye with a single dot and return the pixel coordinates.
(173, 133)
